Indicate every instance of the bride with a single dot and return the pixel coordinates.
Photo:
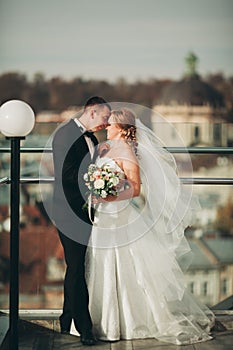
(137, 251)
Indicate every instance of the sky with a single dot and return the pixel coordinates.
(112, 39)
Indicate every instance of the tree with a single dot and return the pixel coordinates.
(58, 94)
(12, 86)
(38, 93)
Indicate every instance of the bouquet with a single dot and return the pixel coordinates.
(102, 181)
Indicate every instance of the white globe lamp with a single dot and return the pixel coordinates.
(17, 118)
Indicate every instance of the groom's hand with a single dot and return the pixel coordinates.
(103, 148)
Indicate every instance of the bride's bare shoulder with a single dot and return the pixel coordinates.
(128, 153)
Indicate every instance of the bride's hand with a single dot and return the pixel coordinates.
(95, 200)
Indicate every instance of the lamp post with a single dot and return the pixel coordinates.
(17, 119)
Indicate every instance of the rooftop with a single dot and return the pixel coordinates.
(190, 91)
(222, 249)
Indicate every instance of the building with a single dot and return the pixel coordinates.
(194, 108)
(210, 275)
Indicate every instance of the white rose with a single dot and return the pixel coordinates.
(85, 177)
(114, 181)
(99, 183)
(103, 194)
(92, 167)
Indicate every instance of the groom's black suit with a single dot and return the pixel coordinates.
(71, 159)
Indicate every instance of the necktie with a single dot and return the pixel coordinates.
(88, 133)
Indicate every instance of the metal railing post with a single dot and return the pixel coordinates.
(14, 241)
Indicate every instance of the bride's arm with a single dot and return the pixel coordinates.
(132, 174)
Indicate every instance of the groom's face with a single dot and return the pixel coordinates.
(101, 115)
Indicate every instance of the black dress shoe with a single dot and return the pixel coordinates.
(65, 331)
(88, 339)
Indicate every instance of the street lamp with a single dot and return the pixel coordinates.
(17, 119)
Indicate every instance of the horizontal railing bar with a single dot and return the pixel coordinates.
(28, 150)
(196, 150)
(48, 314)
(201, 150)
(184, 180)
(43, 180)
(206, 181)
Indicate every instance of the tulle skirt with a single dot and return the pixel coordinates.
(136, 284)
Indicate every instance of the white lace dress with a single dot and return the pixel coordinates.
(136, 286)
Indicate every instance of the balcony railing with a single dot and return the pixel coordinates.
(201, 150)
(177, 150)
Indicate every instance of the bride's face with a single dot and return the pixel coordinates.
(113, 131)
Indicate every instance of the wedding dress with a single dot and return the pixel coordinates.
(137, 255)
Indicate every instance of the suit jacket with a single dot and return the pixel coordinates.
(71, 159)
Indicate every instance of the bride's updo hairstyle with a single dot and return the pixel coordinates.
(125, 120)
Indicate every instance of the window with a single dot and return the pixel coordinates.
(224, 286)
(204, 288)
(217, 134)
(191, 287)
(196, 133)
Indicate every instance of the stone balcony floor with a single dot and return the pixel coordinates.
(43, 334)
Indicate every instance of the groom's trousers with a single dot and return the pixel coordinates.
(75, 289)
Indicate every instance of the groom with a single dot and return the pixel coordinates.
(73, 150)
